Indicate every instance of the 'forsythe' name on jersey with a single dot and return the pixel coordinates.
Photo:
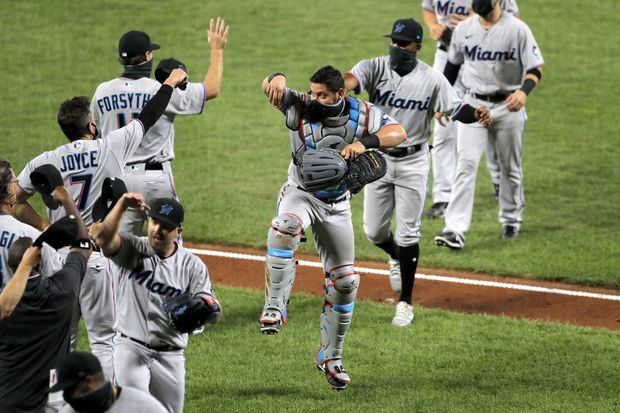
(123, 101)
(387, 99)
(79, 161)
(476, 53)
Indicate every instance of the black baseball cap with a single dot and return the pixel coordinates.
(45, 179)
(111, 191)
(60, 234)
(408, 30)
(135, 43)
(73, 368)
(167, 211)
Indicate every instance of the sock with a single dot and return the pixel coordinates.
(390, 247)
(408, 257)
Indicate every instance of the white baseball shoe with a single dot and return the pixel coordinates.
(335, 374)
(271, 321)
(395, 278)
(404, 315)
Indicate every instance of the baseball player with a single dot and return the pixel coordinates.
(84, 163)
(500, 63)
(441, 17)
(411, 92)
(11, 229)
(148, 352)
(323, 118)
(85, 389)
(118, 101)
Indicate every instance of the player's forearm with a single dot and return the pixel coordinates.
(430, 18)
(14, 289)
(24, 212)
(451, 72)
(213, 78)
(108, 230)
(351, 83)
(531, 79)
(153, 110)
(70, 208)
(391, 135)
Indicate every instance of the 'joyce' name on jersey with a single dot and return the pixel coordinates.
(476, 53)
(123, 101)
(144, 278)
(387, 99)
(78, 161)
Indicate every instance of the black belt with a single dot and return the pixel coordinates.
(153, 167)
(402, 152)
(326, 200)
(498, 97)
(154, 348)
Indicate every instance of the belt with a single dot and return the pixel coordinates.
(402, 152)
(326, 200)
(154, 348)
(153, 167)
(496, 98)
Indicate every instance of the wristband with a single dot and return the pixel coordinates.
(84, 244)
(370, 141)
(528, 85)
(271, 76)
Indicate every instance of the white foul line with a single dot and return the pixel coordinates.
(439, 278)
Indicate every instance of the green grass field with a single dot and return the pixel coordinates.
(232, 160)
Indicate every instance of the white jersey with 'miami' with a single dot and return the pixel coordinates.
(117, 101)
(494, 60)
(412, 99)
(444, 9)
(145, 281)
(84, 164)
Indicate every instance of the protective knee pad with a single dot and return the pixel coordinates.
(340, 291)
(282, 241)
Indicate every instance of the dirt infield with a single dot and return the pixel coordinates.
(546, 306)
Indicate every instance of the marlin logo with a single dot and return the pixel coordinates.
(145, 279)
(476, 53)
(388, 99)
(165, 209)
(399, 28)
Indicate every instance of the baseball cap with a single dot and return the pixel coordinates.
(135, 43)
(45, 179)
(73, 369)
(168, 211)
(60, 234)
(111, 191)
(408, 30)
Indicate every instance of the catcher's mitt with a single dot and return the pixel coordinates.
(366, 168)
(187, 311)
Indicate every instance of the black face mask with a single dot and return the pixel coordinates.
(402, 61)
(94, 402)
(482, 7)
(96, 134)
(317, 111)
(137, 71)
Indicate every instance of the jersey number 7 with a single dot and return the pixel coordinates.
(84, 180)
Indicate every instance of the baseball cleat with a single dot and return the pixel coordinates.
(404, 315)
(437, 210)
(450, 239)
(271, 321)
(335, 374)
(395, 278)
(510, 231)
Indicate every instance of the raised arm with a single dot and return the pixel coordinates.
(351, 83)
(430, 19)
(217, 37)
(62, 196)
(24, 212)
(14, 289)
(274, 87)
(108, 238)
(155, 107)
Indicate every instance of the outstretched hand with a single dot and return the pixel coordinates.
(218, 34)
(275, 91)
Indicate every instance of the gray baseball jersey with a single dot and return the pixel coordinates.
(497, 58)
(84, 164)
(130, 400)
(118, 101)
(145, 281)
(445, 8)
(11, 230)
(359, 119)
(412, 99)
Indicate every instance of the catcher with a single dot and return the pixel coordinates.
(164, 292)
(327, 129)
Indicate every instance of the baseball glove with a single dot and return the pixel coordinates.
(187, 311)
(366, 168)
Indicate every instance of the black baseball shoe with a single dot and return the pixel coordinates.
(509, 232)
(496, 192)
(450, 239)
(437, 210)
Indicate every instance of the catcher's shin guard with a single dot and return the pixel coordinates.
(282, 241)
(341, 285)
